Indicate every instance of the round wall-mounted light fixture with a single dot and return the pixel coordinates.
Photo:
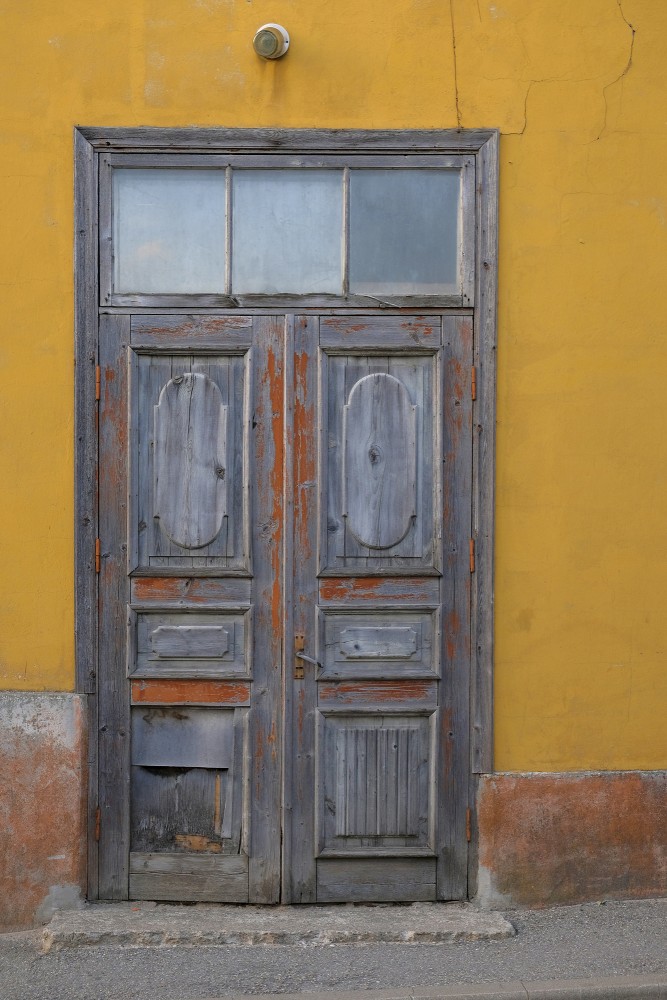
(271, 41)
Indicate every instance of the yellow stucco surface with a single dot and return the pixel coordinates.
(579, 92)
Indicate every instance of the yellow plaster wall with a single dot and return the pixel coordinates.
(579, 92)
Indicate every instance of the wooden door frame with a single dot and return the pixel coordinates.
(89, 145)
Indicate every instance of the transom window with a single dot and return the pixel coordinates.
(377, 228)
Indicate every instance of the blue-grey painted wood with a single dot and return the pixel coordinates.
(207, 878)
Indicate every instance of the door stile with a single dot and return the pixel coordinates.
(301, 695)
(268, 463)
(113, 822)
(453, 759)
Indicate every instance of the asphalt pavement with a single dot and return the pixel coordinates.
(610, 951)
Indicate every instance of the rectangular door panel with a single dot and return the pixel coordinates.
(380, 481)
(189, 490)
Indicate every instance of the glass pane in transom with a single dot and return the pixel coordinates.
(405, 231)
(287, 231)
(169, 231)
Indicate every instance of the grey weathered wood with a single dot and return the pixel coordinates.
(379, 461)
(190, 464)
(392, 331)
(375, 880)
(468, 240)
(114, 720)
(176, 808)
(191, 333)
(341, 550)
(484, 454)
(188, 877)
(190, 644)
(182, 737)
(272, 139)
(195, 641)
(190, 592)
(85, 452)
(453, 760)
(396, 643)
(375, 782)
(391, 642)
(196, 501)
(268, 402)
(301, 694)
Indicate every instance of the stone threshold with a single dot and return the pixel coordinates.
(144, 924)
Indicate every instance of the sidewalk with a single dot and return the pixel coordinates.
(615, 950)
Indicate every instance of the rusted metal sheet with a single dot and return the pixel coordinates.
(190, 692)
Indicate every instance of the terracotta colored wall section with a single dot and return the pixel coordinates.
(42, 817)
(548, 839)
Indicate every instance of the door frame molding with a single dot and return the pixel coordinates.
(89, 144)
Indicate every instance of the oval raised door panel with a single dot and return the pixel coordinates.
(379, 461)
(190, 460)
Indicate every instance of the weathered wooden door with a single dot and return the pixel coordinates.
(285, 507)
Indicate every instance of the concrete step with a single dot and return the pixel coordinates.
(155, 924)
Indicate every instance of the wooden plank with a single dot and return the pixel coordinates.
(390, 331)
(114, 727)
(387, 642)
(178, 809)
(375, 880)
(190, 591)
(174, 641)
(453, 764)
(268, 406)
(301, 694)
(413, 694)
(85, 452)
(190, 692)
(355, 590)
(276, 139)
(186, 878)
(484, 454)
(339, 627)
(192, 332)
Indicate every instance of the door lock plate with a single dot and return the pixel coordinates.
(299, 642)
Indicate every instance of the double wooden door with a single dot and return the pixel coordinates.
(284, 639)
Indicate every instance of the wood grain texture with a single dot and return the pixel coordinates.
(114, 723)
(189, 592)
(191, 332)
(453, 760)
(276, 139)
(375, 880)
(268, 397)
(379, 461)
(405, 693)
(190, 469)
(188, 877)
(153, 691)
(85, 458)
(301, 695)
(484, 454)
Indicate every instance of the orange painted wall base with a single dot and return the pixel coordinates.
(42, 806)
(549, 839)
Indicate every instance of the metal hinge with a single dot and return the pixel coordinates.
(98, 382)
(97, 555)
(468, 824)
(472, 555)
(98, 822)
(473, 382)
